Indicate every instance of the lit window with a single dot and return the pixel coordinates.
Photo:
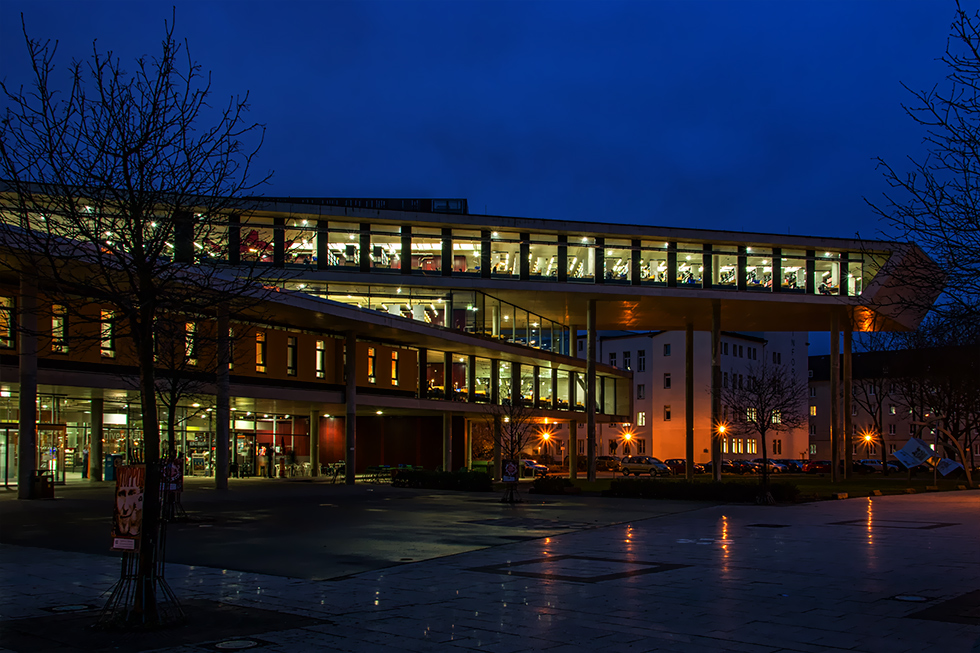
(6, 322)
(371, 361)
(190, 342)
(813, 450)
(750, 414)
(291, 356)
(260, 351)
(813, 411)
(641, 419)
(59, 329)
(891, 410)
(752, 446)
(321, 359)
(777, 417)
(108, 334)
(394, 368)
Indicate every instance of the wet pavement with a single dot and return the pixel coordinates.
(897, 573)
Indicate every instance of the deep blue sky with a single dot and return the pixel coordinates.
(744, 115)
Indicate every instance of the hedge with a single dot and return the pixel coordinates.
(734, 492)
(463, 480)
(551, 485)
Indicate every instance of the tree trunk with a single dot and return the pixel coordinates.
(145, 603)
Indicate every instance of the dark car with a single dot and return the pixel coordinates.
(607, 464)
(792, 466)
(637, 465)
(817, 467)
(679, 466)
(726, 467)
(746, 467)
(532, 468)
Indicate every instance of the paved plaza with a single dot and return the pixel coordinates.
(894, 573)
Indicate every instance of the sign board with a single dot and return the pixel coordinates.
(945, 466)
(127, 517)
(509, 471)
(915, 452)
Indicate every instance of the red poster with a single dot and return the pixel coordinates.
(127, 518)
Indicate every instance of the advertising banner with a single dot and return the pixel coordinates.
(127, 518)
(172, 475)
(915, 452)
(945, 466)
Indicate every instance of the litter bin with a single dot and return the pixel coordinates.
(109, 466)
(42, 483)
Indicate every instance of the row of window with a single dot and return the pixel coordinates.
(459, 252)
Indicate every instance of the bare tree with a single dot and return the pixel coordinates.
(871, 385)
(513, 430)
(939, 382)
(117, 195)
(769, 400)
(935, 203)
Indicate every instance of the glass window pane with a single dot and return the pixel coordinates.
(581, 260)
(827, 273)
(386, 247)
(618, 260)
(653, 263)
(724, 266)
(564, 390)
(794, 270)
(460, 377)
(256, 240)
(435, 377)
(543, 257)
(527, 385)
(504, 381)
(758, 268)
(689, 263)
(483, 388)
(343, 248)
(300, 241)
(427, 250)
(544, 388)
(505, 254)
(467, 249)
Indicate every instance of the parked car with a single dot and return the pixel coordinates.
(746, 467)
(532, 468)
(817, 467)
(637, 465)
(679, 466)
(726, 467)
(607, 464)
(792, 466)
(875, 465)
(774, 466)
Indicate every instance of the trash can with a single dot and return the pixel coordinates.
(42, 483)
(109, 466)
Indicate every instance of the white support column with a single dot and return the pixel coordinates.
(350, 397)
(590, 388)
(27, 342)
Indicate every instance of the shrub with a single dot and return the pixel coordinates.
(733, 492)
(463, 480)
(551, 485)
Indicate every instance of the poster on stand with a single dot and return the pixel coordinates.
(127, 518)
(510, 470)
(915, 452)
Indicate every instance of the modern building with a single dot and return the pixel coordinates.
(447, 313)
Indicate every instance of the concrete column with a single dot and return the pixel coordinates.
(222, 403)
(495, 321)
(714, 436)
(573, 341)
(590, 387)
(688, 402)
(97, 409)
(314, 443)
(469, 444)
(350, 397)
(447, 442)
(27, 338)
(848, 429)
(835, 438)
(573, 450)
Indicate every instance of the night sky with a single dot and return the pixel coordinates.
(755, 116)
